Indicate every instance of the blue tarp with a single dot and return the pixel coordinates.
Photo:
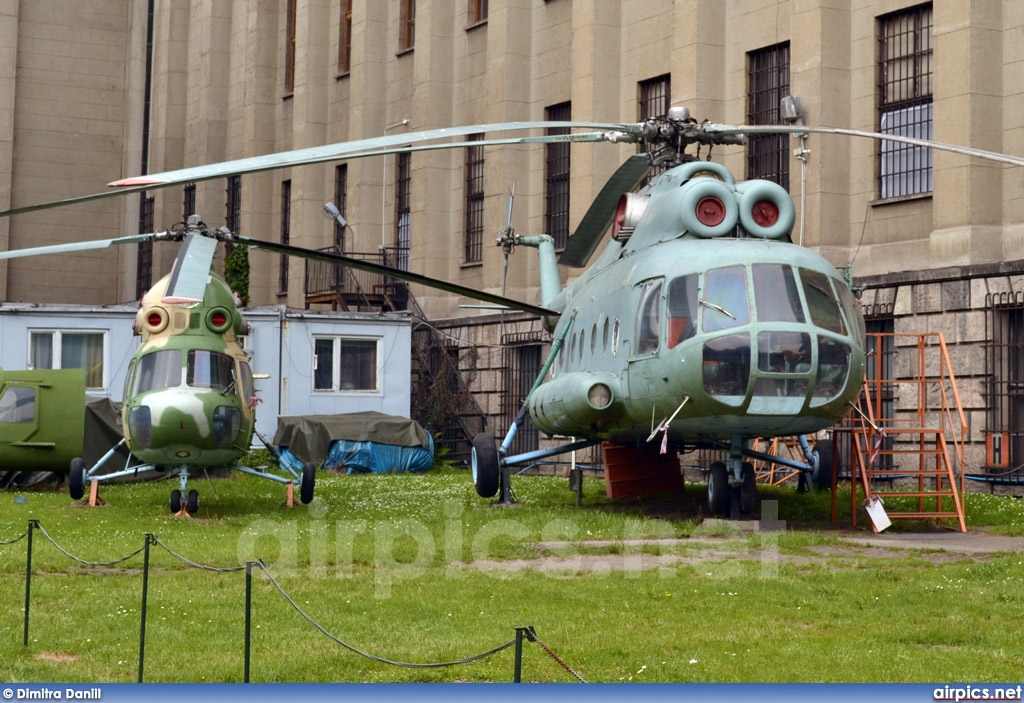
(370, 457)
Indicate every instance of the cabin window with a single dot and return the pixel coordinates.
(786, 353)
(58, 349)
(648, 322)
(345, 364)
(821, 301)
(160, 369)
(833, 368)
(726, 368)
(208, 369)
(776, 294)
(682, 310)
(248, 385)
(725, 299)
(18, 405)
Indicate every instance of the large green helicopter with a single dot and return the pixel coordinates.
(701, 324)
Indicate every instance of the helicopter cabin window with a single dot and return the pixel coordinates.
(345, 364)
(18, 405)
(648, 321)
(776, 294)
(905, 101)
(725, 300)
(726, 368)
(207, 369)
(833, 368)
(821, 301)
(786, 354)
(61, 349)
(682, 310)
(157, 370)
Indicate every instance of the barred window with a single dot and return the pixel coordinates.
(905, 101)
(286, 236)
(767, 84)
(188, 205)
(1004, 421)
(233, 207)
(556, 178)
(523, 362)
(655, 96)
(403, 208)
(474, 230)
(340, 202)
(144, 253)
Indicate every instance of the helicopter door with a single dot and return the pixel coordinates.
(646, 338)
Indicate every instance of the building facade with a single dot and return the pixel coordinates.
(136, 86)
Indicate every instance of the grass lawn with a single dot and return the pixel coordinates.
(418, 569)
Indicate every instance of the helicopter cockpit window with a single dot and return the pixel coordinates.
(208, 369)
(248, 386)
(18, 405)
(833, 369)
(727, 368)
(648, 321)
(682, 310)
(783, 353)
(775, 294)
(821, 301)
(725, 299)
(161, 369)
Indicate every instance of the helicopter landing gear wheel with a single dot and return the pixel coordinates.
(308, 482)
(822, 478)
(718, 489)
(192, 502)
(76, 479)
(484, 464)
(175, 501)
(748, 488)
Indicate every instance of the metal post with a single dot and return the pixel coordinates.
(32, 524)
(145, 597)
(517, 674)
(248, 617)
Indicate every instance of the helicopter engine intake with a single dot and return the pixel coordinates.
(579, 400)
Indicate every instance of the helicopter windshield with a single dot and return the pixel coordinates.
(725, 299)
(161, 369)
(207, 369)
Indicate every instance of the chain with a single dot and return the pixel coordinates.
(20, 537)
(194, 564)
(532, 636)
(71, 556)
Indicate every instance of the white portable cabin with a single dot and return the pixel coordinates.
(309, 363)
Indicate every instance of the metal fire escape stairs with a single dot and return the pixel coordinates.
(904, 428)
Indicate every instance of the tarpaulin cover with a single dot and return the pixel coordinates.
(358, 442)
(103, 431)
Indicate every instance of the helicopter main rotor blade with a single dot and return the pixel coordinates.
(75, 246)
(191, 270)
(409, 276)
(592, 227)
(942, 146)
(361, 148)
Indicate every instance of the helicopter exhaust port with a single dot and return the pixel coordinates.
(576, 401)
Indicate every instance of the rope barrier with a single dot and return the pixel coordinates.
(374, 657)
(194, 564)
(20, 537)
(532, 636)
(71, 556)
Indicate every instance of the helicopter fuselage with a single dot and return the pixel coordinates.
(708, 336)
(189, 394)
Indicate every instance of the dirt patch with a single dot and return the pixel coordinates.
(56, 658)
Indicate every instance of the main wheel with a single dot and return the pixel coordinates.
(748, 488)
(76, 479)
(192, 502)
(308, 482)
(718, 489)
(825, 466)
(484, 463)
(175, 501)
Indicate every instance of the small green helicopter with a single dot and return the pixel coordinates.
(699, 325)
